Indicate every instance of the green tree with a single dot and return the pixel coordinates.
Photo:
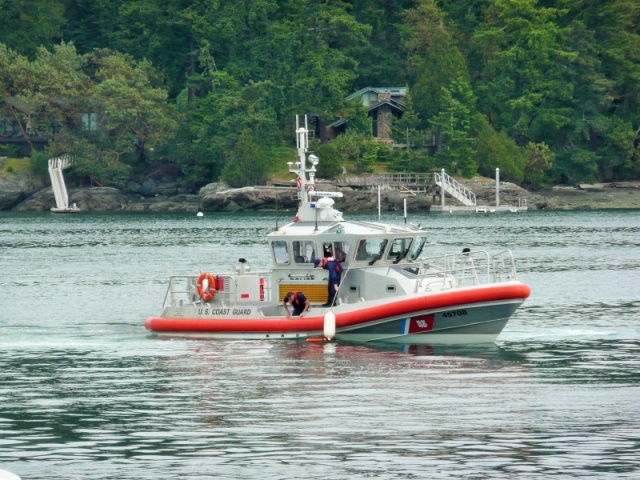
(539, 162)
(14, 80)
(331, 161)
(523, 87)
(358, 117)
(434, 60)
(324, 38)
(91, 24)
(248, 163)
(575, 165)
(46, 95)
(498, 150)
(221, 118)
(101, 166)
(406, 129)
(452, 126)
(133, 111)
(358, 150)
(382, 59)
(416, 160)
(30, 24)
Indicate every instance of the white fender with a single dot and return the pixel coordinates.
(329, 326)
(4, 475)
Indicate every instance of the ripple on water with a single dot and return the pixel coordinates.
(87, 393)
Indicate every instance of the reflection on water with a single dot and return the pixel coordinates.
(238, 408)
(87, 393)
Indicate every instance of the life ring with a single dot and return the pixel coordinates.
(206, 295)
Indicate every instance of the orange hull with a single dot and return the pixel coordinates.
(349, 318)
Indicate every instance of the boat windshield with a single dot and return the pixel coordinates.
(303, 251)
(399, 249)
(371, 249)
(280, 252)
(416, 248)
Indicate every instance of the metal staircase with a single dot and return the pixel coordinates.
(454, 188)
(56, 165)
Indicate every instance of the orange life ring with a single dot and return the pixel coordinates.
(210, 292)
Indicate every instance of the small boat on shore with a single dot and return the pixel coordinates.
(389, 290)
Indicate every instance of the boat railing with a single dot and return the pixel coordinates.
(182, 290)
(467, 269)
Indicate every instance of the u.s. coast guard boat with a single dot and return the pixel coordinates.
(389, 291)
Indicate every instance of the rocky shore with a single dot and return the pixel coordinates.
(24, 194)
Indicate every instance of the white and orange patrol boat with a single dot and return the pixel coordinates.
(389, 290)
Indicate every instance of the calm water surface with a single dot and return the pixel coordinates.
(87, 393)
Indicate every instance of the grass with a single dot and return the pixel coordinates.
(282, 155)
(13, 165)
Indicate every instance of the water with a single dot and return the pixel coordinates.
(87, 393)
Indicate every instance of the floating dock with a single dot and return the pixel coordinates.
(449, 185)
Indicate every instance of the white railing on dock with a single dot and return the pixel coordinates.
(389, 180)
(454, 188)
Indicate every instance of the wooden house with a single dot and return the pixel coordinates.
(384, 104)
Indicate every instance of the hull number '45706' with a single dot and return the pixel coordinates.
(455, 313)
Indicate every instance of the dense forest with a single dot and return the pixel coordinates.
(549, 91)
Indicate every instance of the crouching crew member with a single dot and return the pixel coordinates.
(299, 303)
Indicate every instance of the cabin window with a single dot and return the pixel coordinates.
(371, 249)
(399, 249)
(280, 252)
(303, 251)
(338, 250)
(90, 121)
(8, 128)
(416, 248)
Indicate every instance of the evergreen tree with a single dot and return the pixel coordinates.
(452, 126)
(248, 163)
(30, 24)
(434, 59)
(539, 161)
(523, 86)
(498, 150)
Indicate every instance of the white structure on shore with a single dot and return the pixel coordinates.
(458, 191)
(56, 165)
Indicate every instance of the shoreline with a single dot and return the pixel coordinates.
(607, 196)
(23, 194)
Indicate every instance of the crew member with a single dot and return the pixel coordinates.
(335, 272)
(298, 301)
(339, 255)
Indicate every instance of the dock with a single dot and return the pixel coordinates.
(457, 198)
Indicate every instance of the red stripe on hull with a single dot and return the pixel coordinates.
(431, 302)
(362, 315)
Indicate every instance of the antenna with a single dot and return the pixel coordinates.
(276, 209)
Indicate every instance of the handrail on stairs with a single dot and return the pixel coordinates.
(455, 188)
(56, 165)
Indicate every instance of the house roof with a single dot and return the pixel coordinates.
(392, 103)
(396, 91)
(337, 123)
(399, 106)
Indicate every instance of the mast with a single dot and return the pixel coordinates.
(300, 169)
(307, 209)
